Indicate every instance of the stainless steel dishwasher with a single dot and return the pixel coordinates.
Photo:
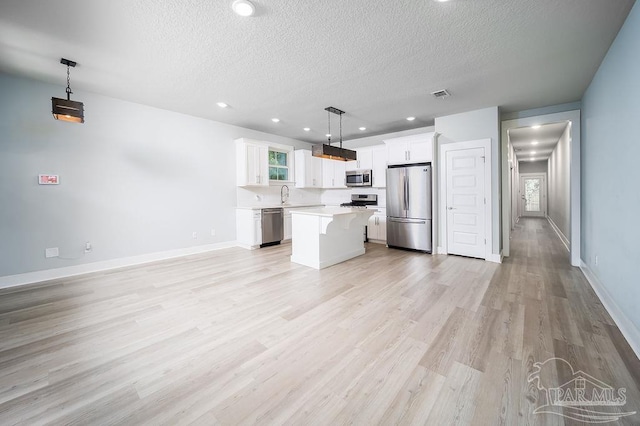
(272, 226)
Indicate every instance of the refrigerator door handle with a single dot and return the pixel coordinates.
(407, 192)
(405, 205)
(400, 220)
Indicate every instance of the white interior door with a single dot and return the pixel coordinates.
(465, 209)
(533, 195)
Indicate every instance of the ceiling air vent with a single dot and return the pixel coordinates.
(441, 94)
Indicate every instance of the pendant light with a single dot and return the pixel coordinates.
(66, 109)
(326, 150)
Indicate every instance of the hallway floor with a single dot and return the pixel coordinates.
(247, 337)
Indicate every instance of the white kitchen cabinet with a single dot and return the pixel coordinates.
(287, 224)
(333, 174)
(379, 166)
(252, 163)
(410, 149)
(377, 227)
(249, 228)
(308, 169)
(364, 160)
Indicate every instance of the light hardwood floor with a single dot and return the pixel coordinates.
(239, 337)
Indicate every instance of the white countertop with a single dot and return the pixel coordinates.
(284, 206)
(332, 211)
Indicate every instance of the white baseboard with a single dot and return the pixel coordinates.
(626, 327)
(563, 238)
(371, 240)
(495, 258)
(70, 271)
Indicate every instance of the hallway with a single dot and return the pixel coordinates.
(563, 316)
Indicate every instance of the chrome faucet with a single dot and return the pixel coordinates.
(284, 194)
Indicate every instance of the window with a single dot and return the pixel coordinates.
(278, 165)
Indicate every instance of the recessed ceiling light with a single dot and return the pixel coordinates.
(534, 143)
(363, 128)
(275, 120)
(243, 7)
(533, 153)
(536, 127)
(222, 105)
(532, 159)
(410, 118)
(306, 129)
(442, 1)
(328, 135)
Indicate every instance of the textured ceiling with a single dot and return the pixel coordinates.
(546, 136)
(377, 60)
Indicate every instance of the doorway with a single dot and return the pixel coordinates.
(533, 195)
(574, 223)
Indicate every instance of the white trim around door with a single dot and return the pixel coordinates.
(443, 192)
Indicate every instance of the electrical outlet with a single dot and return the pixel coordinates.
(195, 235)
(88, 247)
(595, 259)
(51, 252)
(213, 232)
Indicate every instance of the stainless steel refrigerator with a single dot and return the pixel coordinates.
(409, 206)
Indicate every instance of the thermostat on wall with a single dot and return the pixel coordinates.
(48, 180)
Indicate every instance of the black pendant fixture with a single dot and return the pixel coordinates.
(326, 150)
(66, 109)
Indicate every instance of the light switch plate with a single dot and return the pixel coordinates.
(51, 252)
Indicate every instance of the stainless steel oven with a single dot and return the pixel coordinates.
(358, 178)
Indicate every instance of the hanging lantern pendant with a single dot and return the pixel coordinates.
(66, 109)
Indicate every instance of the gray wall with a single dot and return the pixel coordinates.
(559, 198)
(134, 179)
(532, 166)
(473, 125)
(610, 173)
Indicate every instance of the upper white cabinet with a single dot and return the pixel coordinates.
(379, 166)
(410, 149)
(308, 169)
(259, 163)
(364, 159)
(252, 163)
(333, 173)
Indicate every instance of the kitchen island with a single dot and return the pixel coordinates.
(326, 236)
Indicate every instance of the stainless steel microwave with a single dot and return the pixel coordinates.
(359, 178)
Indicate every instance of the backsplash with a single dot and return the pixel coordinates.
(257, 196)
(270, 195)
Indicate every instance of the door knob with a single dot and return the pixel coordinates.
(451, 208)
